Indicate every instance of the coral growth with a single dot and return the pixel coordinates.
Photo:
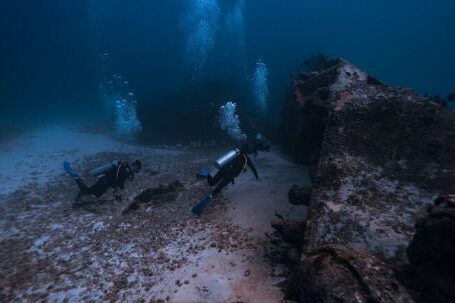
(377, 156)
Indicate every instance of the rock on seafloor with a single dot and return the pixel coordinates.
(431, 253)
(338, 274)
(378, 155)
(300, 195)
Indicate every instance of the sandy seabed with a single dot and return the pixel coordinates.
(52, 250)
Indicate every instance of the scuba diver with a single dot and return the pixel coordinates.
(111, 175)
(230, 166)
(260, 143)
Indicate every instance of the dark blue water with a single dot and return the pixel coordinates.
(50, 65)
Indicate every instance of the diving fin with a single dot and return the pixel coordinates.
(199, 208)
(69, 170)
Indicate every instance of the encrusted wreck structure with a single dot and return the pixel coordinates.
(378, 156)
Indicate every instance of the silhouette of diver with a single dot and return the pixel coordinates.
(260, 143)
(234, 165)
(112, 175)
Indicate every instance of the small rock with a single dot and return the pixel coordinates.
(300, 195)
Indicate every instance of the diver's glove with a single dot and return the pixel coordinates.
(198, 209)
(69, 170)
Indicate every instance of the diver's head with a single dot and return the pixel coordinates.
(259, 138)
(136, 166)
(261, 143)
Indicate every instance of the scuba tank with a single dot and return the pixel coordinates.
(102, 169)
(227, 158)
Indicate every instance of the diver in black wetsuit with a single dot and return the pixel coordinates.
(260, 143)
(114, 176)
(226, 175)
(232, 170)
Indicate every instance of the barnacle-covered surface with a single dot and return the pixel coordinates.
(378, 156)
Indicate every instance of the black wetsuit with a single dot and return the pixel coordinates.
(114, 178)
(230, 171)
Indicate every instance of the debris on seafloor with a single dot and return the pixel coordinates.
(156, 195)
(300, 195)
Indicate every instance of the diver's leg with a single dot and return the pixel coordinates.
(221, 174)
(83, 189)
(99, 188)
(81, 184)
(210, 180)
(224, 182)
(199, 208)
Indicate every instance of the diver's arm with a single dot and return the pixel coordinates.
(251, 165)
